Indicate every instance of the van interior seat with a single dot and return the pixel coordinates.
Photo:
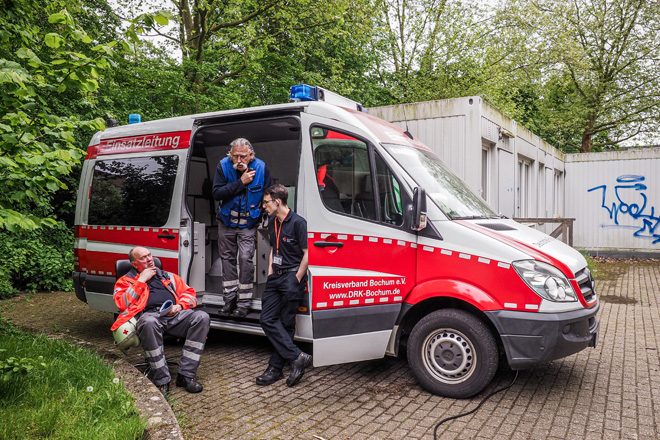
(364, 199)
(329, 189)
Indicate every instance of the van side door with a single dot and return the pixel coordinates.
(362, 254)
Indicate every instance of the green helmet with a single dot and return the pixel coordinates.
(126, 335)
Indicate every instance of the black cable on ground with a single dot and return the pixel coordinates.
(435, 431)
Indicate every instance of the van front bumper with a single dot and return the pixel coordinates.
(533, 338)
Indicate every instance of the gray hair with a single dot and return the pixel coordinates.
(239, 142)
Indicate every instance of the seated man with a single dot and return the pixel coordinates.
(141, 293)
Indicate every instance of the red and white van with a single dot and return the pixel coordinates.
(403, 257)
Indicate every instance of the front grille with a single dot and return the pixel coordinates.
(587, 284)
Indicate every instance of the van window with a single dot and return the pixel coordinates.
(345, 180)
(132, 192)
(389, 194)
(343, 173)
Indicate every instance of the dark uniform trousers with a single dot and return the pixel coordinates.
(191, 324)
(279, 306)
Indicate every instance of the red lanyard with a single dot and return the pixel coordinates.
(277, 233)
(277, 236)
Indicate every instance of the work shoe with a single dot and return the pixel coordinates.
(298, 369)
(191, 385)
(270, 376)
(227, 309)
(164, 389)
(240, 312)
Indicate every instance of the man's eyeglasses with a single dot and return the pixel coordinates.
(240, 156)
(265, 202)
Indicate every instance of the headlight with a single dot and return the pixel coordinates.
(547, 281)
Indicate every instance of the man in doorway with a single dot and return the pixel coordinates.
(285, 287)
(162, 303)
(240, 180)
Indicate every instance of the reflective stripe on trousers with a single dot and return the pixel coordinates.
(191, 324)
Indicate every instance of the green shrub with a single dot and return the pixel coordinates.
(6, 289)
(38, 260)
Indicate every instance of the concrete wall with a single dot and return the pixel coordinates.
(615, 197)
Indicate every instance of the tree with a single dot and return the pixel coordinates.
(41, 62)
(250, 52)
(597, 63)
(433, 49)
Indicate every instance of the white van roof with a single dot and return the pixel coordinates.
(380, 129)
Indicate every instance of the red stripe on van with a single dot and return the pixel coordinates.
(523, 247)
(99, 262)
(483, 282)
(103, 263)
(131, 235)
(175, 140)
(486, 283)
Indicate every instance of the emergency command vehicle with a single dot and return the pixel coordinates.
(403, 256)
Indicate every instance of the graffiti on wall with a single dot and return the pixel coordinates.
(628, 207)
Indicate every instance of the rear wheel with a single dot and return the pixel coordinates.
(452, 353)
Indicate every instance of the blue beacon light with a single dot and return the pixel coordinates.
(303, 92)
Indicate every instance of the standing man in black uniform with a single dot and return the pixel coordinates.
(287, 277)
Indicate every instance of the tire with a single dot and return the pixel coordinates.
(452, 353)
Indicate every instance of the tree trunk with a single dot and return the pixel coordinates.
(587, 134)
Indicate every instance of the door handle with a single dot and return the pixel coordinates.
(324, 244)
(170, 236)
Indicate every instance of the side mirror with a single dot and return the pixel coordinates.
(419, 209)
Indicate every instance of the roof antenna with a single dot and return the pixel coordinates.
(407, 133)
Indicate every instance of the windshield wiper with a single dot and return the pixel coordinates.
(471, 217)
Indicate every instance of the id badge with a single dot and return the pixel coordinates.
(277, 259)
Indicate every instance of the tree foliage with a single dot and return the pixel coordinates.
(433, 49)
(250, 52)
(41, 62)
(593, 65)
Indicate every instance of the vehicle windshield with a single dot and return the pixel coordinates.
(446, 190)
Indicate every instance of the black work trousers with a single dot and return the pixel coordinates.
(279, 306)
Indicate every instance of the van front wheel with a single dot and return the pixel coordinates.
(452, 353)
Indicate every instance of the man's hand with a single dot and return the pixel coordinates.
(147, 274)
(248, 176)
(176, 308)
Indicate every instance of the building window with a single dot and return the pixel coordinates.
(559, 201)
(523, 188)
(484, 173)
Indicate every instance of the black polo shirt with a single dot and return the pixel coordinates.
(293, 240)
(158, 294)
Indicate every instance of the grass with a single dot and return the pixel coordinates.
(75, 396)
(591, 264)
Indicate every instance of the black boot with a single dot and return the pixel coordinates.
(270, 376)
(228, 308)
(190, 384)
(298, 369)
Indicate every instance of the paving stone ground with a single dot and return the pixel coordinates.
(610, 392)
